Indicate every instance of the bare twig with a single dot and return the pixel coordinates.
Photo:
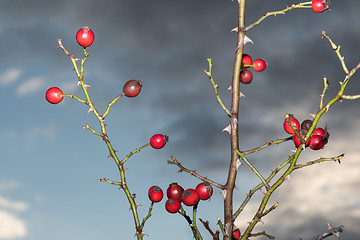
(193, 172)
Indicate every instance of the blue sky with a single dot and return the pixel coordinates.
(50, 165)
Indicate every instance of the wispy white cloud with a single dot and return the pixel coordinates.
(30, 86)
(11, 226)
(13, 205)
(9, 76)
(9, 185)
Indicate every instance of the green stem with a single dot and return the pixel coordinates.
(215, 86)
(266, 184)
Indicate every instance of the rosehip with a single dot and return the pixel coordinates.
(85, 37)
(319, 131)
(297, 141)
(132, 88)
(320, 5)
(246, 60)
(204, 190)
(158, 141)
(236, 234)
(54, 95)
(190, 197)
(246, 76)
(259, 65)
(174, 191)
(155, 194)
(172, 205)
(317, 142)
(294, 122)
(306, 124)
(322, 132)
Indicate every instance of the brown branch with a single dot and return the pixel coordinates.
(331, 232)
(193, 172)
(206, 225)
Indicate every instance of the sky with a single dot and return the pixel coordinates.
(50, 165)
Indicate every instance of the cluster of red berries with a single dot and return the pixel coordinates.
(258, 65)
(320, 5)
(316, 141)
(177, 195)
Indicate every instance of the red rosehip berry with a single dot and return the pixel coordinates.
(174, 191)
(172, 205)
(85, 37)
(132, 88)
(54, 95)
(259, 65)
(322, 132)
(316, 142)
(246, 76)
(306, 124)
(297, 141)
(294, 122)
(204, 190)
(158, 141)
(319, 131)
(236, 234)
(320, 5)
(155, 194)
(246, 60)
(190, 197)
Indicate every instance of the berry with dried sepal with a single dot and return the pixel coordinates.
(155, 194)
(172, 205)
(85, 37)
(204, 190)
(158, 141)
(190, 197)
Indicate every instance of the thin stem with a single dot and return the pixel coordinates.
(216, 88)
(75, 97)
(110, 104)
(92, 130)
(198, 235)
(193, 172)
(266, 184)
(267, 144)
(337, 51)
(326, 86)
(147, 216)
(268, 14)
(259, 186)
(133, 152)
(334, 159)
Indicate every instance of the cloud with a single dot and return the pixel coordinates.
(9, 185)
(326, 192)
(11, 226)
(10, 76)
(13, 205)
(30, 86)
